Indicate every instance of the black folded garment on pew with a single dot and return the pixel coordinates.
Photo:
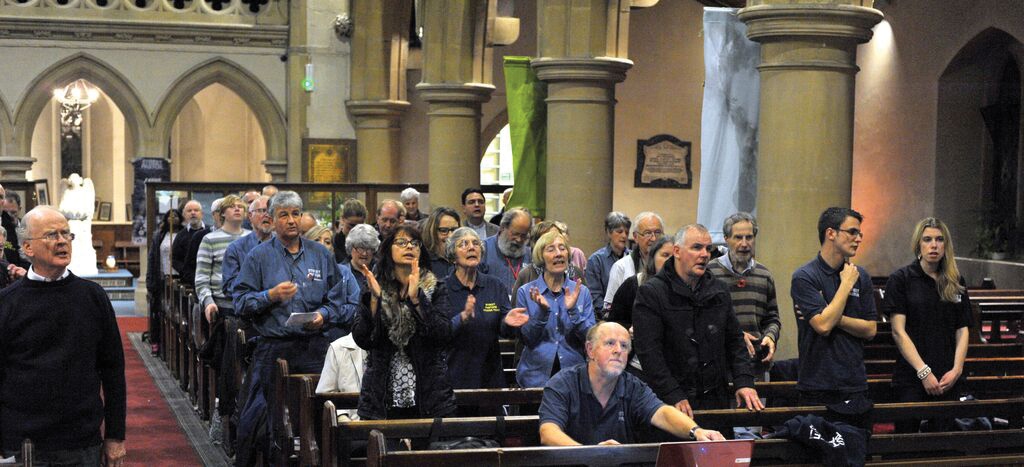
(838, 443)
(466, 442)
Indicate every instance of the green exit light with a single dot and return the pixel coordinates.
(307, 83)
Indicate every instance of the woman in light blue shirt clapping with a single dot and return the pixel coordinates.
(561, 311)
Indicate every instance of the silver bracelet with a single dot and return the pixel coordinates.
(693, 431)
(924, 372)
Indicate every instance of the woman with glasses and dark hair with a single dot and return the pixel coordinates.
(403, 325)
(439, 225)
(160, 266)
(480, 313)
(931, 318)
(622, 304)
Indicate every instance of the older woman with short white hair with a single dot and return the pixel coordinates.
(480, 312)
(361, 243)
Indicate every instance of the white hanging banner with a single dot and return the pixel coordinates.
(728, 138)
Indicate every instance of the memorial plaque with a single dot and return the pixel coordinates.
(663, 161)
(327, 161)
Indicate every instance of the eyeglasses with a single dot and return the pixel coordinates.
(446, 230)
(464, 244)
(258, 211)
(54, 236)
(651, 233)
(853, 232)
(363, 251)
(403, 243)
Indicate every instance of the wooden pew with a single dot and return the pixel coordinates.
(891, 352)
(972, 366)
(338, 436)
(1001, 312)
(969, 448)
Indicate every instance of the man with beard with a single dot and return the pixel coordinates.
(751, 287)
(597, 403)
(835, 312)
(599, 266)
(647, 227)
(474, 206)
(687, 336)
(507, 252)
(192, 218)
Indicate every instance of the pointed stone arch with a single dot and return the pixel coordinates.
(6, 128)
(243, 83)
(60, 74)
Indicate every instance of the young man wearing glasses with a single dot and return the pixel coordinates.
(835, 313)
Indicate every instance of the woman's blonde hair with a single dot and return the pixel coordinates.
(544, 241)
(948, 282)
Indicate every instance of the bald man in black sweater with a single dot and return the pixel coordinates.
(60, 349)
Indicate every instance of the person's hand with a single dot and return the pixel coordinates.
(469, 311)
(747, 397)
(517, 317)
(849, 274)
(413, 288)
(949, 379)
(708, 435)
(749, 340)
(316, 324)
(210, 312)
(931, 385)
(608, 442)
(15, 271)
(770, 343)
(283, 292)
(371, 281)
(538, 298)
(114, 452)
(571, 296)
(684, 407)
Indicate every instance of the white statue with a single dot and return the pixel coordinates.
(77, 203)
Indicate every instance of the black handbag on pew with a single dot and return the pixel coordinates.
(467, 442)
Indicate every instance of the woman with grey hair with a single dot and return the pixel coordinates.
(480, 313)
(411, 200)
(361, 243)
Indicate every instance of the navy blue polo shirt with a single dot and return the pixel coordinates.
(834, 362)
(474, 357)
(569, 402)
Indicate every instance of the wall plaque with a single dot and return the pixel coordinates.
(663, 161)
(328, 160)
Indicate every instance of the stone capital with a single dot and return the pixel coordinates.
(14, 167)
(278, 169)
(612, 70)
(775, 22)
(470, 93)
(371, 112)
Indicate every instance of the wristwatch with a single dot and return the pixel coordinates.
(693, 431)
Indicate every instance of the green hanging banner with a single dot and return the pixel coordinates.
(528, 127)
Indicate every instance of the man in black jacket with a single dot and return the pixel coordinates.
(687, 337)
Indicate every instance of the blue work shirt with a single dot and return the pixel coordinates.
(500, 266)
(834, 362)
(557, 332)
(570, 403)
(474, 357)
(235, 255)
(313, 269)
(599, 269)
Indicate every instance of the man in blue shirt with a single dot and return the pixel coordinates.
(597, 403)
(238, 250)
(506, 253)
(599, 266)
(835, 313)
(287, 276)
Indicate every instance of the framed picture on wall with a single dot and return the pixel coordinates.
(663, 161)
(328, 160)
(104, 213)
(42, 193)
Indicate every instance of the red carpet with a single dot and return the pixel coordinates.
(154, 437)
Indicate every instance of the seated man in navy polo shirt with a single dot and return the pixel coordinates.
(598, 403)
(835, 313)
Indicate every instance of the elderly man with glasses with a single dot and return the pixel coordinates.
(59, 341)
(647, 227)
(507, 253)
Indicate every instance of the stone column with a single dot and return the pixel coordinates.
(377, 97)
(808, 70)
(582, 55)
(14, 167)
(456, 81)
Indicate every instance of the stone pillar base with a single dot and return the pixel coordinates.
(277, 169)
(377, 145)
(454, 145)
(581, 139)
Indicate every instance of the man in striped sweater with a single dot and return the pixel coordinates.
(752, 289)
(215, 300)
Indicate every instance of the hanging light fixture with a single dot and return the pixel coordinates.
(78, 95)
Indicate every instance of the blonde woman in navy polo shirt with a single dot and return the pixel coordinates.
(931, 316)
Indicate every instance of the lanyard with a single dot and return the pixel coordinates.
(515, 269)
